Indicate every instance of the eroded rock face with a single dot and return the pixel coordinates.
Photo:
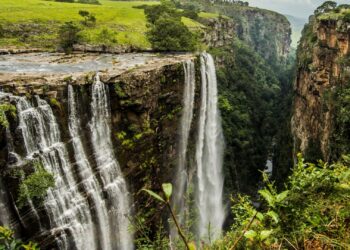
(323, 48)
(146, 104)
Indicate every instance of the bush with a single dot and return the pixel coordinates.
(89, 19)
(314, 210)
(6, 108)
(9, 242)
(170, 34)
(107, 37)
(68, 35)
(166, 8)
(35, 186)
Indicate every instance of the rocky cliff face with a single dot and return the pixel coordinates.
(323, 70)
(146, 104)
(266, 32)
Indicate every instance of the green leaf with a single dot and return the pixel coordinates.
(154, 195)
(266, 194)
(251, 234)
(260, 216)
(168, 190)
(265, 234)
(273, 215)
(280, 197)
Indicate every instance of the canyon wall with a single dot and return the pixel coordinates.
(323, 73)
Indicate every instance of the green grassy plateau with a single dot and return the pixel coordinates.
(34, 23)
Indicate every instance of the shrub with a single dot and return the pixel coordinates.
(314, 209)
(170, 34)
(89, 19)
(9, 242)
(35, 186)
(6, 108)
(68, 35)
(166, 8)
(107, 37)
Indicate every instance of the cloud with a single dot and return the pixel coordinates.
(299, 8)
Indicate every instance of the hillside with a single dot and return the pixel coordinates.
(35, 23)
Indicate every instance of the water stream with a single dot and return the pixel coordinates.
(209, 156)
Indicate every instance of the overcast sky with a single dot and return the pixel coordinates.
(298, 8)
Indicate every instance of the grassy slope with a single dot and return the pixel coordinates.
(128, 23)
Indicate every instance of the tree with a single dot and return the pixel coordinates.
(170, 34)
(68, 35)
(154, 12)
(89, 19)
(167, 32)
(326, 7)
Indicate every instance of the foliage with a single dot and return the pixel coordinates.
(326, 7)
(68, 36)
(35, 185)
(167, 189)
(167, 31)
(9, 242)
(6, 108)
(340, 140)
(89, 19)
(313, 210)
(248, 90)
(107, 37)
(54, 102)
(166, 8)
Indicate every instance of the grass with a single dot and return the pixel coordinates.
(127, 24)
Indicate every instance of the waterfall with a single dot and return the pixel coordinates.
(88, 179)
(108, 167)
(67, 209)
(185, 127)
(209, 156)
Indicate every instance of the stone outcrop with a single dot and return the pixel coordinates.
(323, 66)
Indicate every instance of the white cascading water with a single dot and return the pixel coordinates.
(209, 156)
(88, 180)
(109, 169)
(67, 209)
(186, 121)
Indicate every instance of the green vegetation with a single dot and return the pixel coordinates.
(9, 242)
(89, 19)
(340, 142)
(35, 185)
(167, 190)
(167, 31)
(331, 10)
(249, 91)
(6, 108)
(68, 36)
(36, 23)
(313, 210)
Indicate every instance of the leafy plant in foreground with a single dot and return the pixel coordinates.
(167, 189)
(9, 242)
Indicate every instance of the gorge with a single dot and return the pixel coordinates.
(136, 138)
